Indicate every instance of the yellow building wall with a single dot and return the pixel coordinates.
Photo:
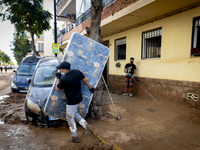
(175, 62)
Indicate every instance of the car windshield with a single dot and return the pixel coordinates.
(44, 76)
(26, 69)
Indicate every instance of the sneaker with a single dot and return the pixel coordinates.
(88, 127)
(130, 95)
(74, 140)
(125, 94)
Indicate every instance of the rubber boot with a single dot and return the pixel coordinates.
(74, 140)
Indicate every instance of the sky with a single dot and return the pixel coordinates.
(6, 37)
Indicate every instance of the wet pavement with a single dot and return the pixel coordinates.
(144, 124)
(20, 137)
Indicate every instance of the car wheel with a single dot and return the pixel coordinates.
(30, 117)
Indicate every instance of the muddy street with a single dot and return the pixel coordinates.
(145, 124)
(16, 133)
(30, 137)
(11, 110)
(5, 81)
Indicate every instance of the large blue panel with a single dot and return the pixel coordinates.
(90, 58)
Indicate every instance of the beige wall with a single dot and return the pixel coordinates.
(175, 62)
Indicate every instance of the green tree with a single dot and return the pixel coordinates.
(26, 15)
(4, 57)
(12, 63)
(21, 46)
(1, 55)
(18, 58)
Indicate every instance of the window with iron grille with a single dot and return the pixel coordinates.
(120, 49)
(195, 48)
(151, 43)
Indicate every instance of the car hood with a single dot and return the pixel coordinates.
(20, 81)
(39, 94)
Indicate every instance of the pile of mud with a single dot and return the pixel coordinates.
(12, 108)
(15, 98)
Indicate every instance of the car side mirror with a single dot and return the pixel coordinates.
(28, 80)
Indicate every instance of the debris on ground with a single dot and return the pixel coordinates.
(12, 108)
(15, 98)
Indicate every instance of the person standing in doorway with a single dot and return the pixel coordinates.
(71, 83)
(130, 70)
(1, 69)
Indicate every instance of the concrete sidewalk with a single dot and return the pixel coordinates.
(146, 124)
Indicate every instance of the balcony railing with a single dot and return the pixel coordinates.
(59, 2)
(86, 15)
(107, 2)
(67, 29)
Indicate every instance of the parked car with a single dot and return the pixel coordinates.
(24, 71)
(39, 90)
(15, 69)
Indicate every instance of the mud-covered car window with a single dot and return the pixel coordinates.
(26, 69)
(44, 76)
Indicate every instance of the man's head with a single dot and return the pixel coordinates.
(131, 60)
(64, 67)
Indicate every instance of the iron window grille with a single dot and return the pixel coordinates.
(151, 43)
(58, 4)
(195, 48)
(120, 49)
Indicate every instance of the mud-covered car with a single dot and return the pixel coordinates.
(24, 71)
(39, 90)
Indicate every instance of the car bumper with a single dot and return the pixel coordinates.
(33, 106)
(20, 90)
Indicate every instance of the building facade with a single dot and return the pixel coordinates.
(49, 35)
(39, 45)
(164, 38)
